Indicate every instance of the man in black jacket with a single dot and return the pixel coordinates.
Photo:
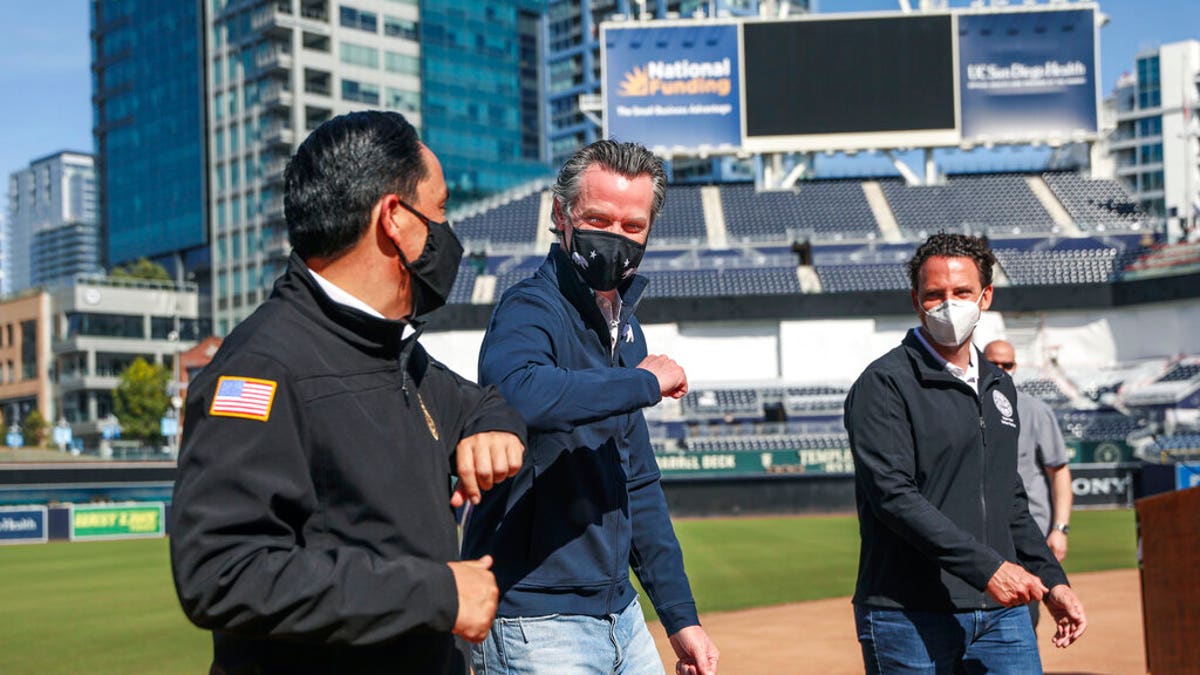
(949, 551)
(313, 529)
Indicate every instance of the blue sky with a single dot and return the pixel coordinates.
(46, 83)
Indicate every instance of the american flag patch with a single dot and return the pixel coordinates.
(243, 397)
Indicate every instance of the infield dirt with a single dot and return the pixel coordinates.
(818, 637)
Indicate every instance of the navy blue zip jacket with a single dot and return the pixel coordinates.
(587, 503)
(940, 502)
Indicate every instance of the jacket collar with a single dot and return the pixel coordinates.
(929, 369)
(569, 282)
(370, 334)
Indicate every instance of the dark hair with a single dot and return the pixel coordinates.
(943, 245)
(630, 160)
(340, 171)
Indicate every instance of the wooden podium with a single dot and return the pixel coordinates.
(1169, 561)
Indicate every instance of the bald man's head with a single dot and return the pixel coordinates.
(1002, 354)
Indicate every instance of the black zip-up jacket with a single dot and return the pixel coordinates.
(940, 502)
(316, 541)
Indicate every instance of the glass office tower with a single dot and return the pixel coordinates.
(148, 106)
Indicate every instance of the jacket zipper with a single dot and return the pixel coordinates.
(982, 479)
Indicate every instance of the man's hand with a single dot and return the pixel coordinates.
(484, 460)
(697, 653)
(672, 381)
(1057, 541)
(1012, 585)
(1069, 620)
(477, 598)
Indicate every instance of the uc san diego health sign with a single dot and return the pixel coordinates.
(117, 521)
(23, 525)
(673, 86)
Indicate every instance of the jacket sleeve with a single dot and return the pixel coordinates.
(885, 467)
(483, 409)
(655, 555)
(1030, 542)
(519, 356)
(1052, 449)
(240, 557)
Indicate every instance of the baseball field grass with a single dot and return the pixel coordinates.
(109, 607)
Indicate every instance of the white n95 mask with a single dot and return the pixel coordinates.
(951, 323)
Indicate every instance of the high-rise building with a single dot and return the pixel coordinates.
(52, 229)
(1154, 146)
(275, 71)
(148, 98)
(474, 63)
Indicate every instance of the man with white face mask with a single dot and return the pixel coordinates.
(949, 551)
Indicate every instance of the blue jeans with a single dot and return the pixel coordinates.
(616, 644)
(979, 641)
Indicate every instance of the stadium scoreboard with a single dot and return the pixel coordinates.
(868, 81)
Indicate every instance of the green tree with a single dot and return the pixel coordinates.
(3, 430)
(141, 269)
(33, 428)
(140, 400)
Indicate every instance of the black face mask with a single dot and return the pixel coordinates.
(605, 260)
(434, 271)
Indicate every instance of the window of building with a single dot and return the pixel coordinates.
(104, 325)
(404, 101)
(401, 28)
(1149, 126)
(360, 91)
(350, 17)
(401, 63)
(1149, 86)
(359, 55)
(29, 340)
(1150, 154)
(315, 42)
(316, 82)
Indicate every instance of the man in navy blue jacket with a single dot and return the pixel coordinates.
(566, 351)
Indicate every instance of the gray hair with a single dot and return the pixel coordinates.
(630, 160)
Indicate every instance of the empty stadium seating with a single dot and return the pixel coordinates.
(1181, 373)
(682, 217)
(719, 402)
(1095, 204)
(1052, 266)
(766, 442)
(1044, 389)
(511, 223)
(994, 204)
(464, 284)
(1097, 425)
(865, 277)
(820, 209)
(725, 281)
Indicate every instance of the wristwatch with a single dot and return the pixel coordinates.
(1062, 527)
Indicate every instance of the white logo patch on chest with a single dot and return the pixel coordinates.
(1002, 403)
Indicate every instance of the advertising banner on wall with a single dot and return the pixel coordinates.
(673, 86)
(1027, 75)
(1104, 484)
(23, 525)
(117, 521)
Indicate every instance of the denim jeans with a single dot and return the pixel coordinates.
(979, 641)
(616, 644)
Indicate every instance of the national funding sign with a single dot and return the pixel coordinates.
(23, 525)
(671, 87)
(117, 521)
